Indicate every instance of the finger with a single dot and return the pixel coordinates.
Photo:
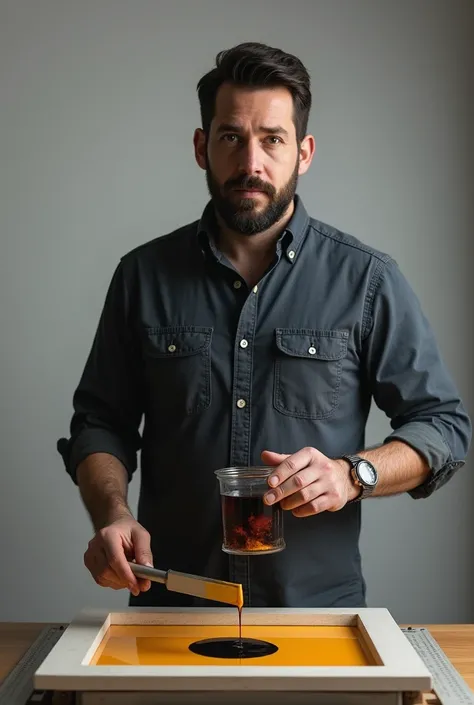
(293, 464)
(294, 485)
(299, 498)
(107, 580)
(143, 554)
(96, 562)
(141, 546)
(144, 584)
(315, 506)
(103, 581)
(112, 545)
(269, 457)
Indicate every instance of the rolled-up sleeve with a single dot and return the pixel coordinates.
(410, 381)
(108, 399)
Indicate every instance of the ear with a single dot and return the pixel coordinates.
(200, 148)
(307, 150)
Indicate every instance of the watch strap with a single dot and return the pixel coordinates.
(365, 491)
(353, 459)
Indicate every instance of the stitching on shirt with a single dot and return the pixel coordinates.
(340, 238)
(202, 330)
(318, 332)
(299, 235)
(369, 299)
(382, 259)
(314, 338)
(450, 454)
(305, 414)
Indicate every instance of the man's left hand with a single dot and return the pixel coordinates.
(307, 482)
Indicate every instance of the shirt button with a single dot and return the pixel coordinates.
(312, 350)
(243, 343)
(172, 348)
(255, 289)
(291, 254)
(241, 403)
(237, 284)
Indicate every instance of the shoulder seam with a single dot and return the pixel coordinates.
(370, 296)
(362, 248)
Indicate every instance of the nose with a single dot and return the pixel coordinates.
(250, 158)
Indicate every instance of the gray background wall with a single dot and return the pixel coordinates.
(98, 107)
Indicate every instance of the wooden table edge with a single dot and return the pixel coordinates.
(456, 640)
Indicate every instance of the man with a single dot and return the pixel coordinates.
(256, 334)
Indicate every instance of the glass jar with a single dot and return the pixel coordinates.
(250, 526)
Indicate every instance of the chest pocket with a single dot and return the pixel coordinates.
(308, 367)
(178, 369)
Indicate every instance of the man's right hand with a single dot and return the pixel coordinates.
(108, 553)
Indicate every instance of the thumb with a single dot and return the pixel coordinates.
(141, 546)
(269, 457)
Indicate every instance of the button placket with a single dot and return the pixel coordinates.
(241, 416)
(242, 380)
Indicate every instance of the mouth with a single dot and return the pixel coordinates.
(249, 192)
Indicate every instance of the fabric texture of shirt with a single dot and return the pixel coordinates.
(218, 372)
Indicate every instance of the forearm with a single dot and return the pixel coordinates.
(400, 468)
(103, 485)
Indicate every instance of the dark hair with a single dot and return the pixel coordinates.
(259, 65)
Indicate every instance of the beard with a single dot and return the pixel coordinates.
(241, 215)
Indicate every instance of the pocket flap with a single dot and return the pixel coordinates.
(312, 344)
(177, 341)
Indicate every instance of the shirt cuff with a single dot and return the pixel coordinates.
(428, 442)
(94, 440)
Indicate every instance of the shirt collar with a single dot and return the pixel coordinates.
(289, 242)
(295, 230)
(207, 227)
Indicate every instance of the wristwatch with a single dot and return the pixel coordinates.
(363, 474)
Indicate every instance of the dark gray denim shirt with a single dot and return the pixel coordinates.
(169, 351)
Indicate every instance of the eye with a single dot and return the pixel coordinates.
(273, 139)
(230, 138)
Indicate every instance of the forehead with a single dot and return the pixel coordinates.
(256, 106)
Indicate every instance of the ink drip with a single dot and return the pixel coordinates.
(231, 648)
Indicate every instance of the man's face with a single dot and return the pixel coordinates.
(251, 157)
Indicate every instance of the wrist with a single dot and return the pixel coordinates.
(353, 490)
(363, 475)
(117, 512)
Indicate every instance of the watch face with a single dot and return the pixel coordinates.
(367, 473)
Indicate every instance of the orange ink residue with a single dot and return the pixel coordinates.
(303, 645)
(221, 591)
(250, 524)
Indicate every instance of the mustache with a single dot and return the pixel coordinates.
(250, 182)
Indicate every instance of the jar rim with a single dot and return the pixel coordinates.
(252, 471)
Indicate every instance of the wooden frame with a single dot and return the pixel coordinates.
(399, 676)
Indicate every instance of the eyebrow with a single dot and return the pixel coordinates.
(229, 127)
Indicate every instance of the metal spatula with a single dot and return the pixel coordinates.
(208, 588)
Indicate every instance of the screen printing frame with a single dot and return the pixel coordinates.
(400, 671)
